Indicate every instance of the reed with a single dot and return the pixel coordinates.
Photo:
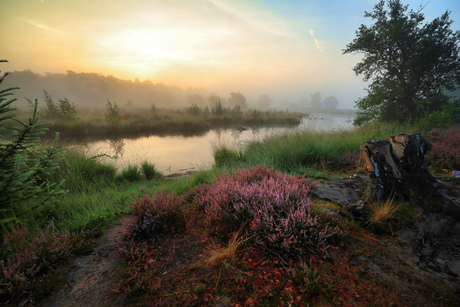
(292, 151)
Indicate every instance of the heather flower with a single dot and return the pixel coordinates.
(161, 213)
(445, 153)
(274, 207)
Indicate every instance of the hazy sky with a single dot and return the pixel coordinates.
(280, 47)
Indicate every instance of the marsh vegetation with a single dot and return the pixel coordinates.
(249, 230)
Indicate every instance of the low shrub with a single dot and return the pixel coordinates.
(445, 153)
(26, 263)
(274, 207)
(161, 213)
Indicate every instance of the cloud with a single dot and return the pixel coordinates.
(317, 44)
(254, 17)
(43, 26)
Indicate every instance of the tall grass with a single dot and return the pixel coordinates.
(292, 151)
(298, 151)
(82, 171)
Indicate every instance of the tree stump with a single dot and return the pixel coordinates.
(398, 168)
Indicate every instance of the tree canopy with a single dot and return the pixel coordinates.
(412, 64)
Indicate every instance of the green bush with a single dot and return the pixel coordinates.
(112, 115)
(65, 110)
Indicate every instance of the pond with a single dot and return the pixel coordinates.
(175, 154)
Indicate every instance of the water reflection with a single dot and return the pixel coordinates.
(172, 154)
(117, 147)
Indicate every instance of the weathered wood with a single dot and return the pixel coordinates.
(398, 168)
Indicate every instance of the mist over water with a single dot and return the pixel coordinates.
(173, 154)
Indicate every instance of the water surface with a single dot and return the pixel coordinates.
(173, 154)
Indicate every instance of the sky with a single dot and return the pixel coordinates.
(283, 48)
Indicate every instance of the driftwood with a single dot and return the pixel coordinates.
(398, 168)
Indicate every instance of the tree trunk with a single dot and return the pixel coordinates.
(398, 168)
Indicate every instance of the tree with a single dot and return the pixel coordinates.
(51, 109)
(112, 114)
(67, 109)
(264, 101)
(237, 99)
(411, 64)
(27, 172)
(195, 99)
(330, 103)
(315, 101)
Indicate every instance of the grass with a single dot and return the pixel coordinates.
(293, 151)
(382, 212)
(131, 173)
(226, 254)
(149, 171)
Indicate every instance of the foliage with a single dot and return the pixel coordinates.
(27, 174)
(161, 213)
(441, 119)
(112, 114)
(276, 208)
(194, 110)
(217, 110)
(24, 263)
(65, 110)
(411, 64)
(51, 109)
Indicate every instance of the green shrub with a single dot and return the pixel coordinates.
(112, 115)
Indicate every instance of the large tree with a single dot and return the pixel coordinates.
(411, 63)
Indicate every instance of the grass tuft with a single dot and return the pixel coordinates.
(131, 173)
(382, 212)
(226, 254)
(149, 170)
